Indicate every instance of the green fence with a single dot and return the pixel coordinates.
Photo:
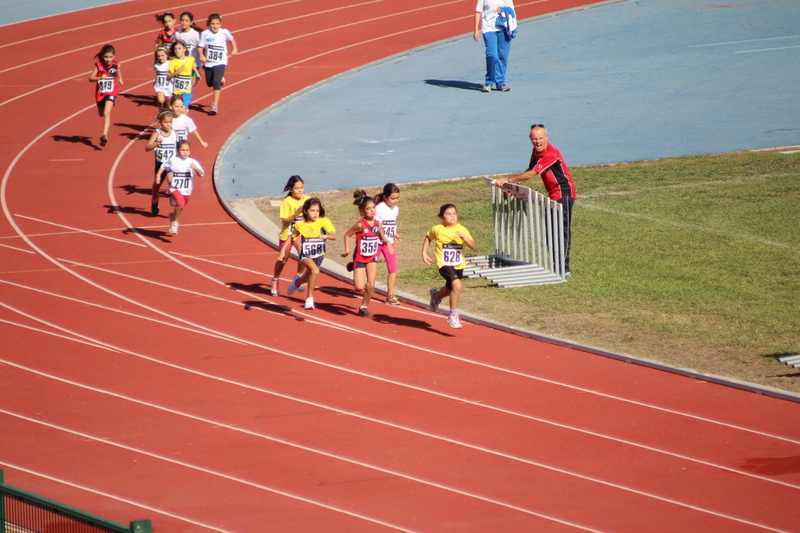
(23, 512)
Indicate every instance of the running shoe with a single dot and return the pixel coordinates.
(291, 288)
(503, 88)
(454, 322)
(173, 224)
(363, 311)
(393, 300)
(154, 208)
(275, 287)
(309, 302)
(435, 301)
(486, 89)
(214, 110)
(296, 281)
(103, 140)
(350, 266)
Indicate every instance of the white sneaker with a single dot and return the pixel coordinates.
(309, 302)
(173, 224)
(454, 322)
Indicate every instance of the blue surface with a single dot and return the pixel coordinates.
(20, 11)
(624, 81)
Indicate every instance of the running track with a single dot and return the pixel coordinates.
(150, 376)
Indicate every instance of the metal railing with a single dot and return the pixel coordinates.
(24, 512)
(528, 239)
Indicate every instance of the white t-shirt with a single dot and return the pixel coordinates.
(182, 174)
(387, 216)
(215, 46)
(162, 84)
(488, 8)
(191, 39)
(183, 126)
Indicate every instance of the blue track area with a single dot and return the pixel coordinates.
(14, 11)
(622, 81)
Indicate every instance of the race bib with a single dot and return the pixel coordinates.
(390, 229)
(451, 254)
(368, 246)
(106, 85)
(216, 53)
(313, 247)
(164, 154)
(181, 181)
(161, 80)
(182, 83)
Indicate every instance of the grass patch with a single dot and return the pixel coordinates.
(690, 261)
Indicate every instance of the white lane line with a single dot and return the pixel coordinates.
(138, 504)
(767, 49)
(419, 432)
(72, 339)
(18, 249)
(745, 41)
(284, 442)
(436, 393)
(81, 231)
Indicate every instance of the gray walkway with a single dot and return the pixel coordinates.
(20, 11)
(626, 81)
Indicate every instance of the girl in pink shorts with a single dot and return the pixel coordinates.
(386, 212)
(181, 171)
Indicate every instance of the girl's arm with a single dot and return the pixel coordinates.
(159, 42)
(119, 74)
(285, 248)
(476, 34)
(194, 69)
(197, 170)
(288, 220)
(169, 178)
(201, 52)
(153, 142)
(197, 135)
(234, 48)
(425, 244)
(469, 242)
(383, 238)
(95, 75)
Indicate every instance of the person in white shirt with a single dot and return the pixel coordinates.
(181, 171)
(386, 212)
(496, 39)
(214, 55)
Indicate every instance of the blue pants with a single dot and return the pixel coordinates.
(497, 48)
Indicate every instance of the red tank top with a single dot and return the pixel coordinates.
(107, 86)
(367, 241)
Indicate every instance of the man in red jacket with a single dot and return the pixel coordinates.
(547, 162)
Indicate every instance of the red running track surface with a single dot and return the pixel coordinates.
(150, 376)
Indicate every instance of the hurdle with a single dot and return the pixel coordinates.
(528, 239)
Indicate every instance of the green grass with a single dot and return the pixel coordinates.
(691, 261)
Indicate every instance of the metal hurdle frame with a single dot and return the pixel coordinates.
(528, 239)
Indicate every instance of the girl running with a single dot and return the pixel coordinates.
(386, 213)
(163, 141)
(189, 34)
(214, 55)
(450, 238)
(181, 170)
(291, 212)
(181, 123)
(166, 37)
(162, 86)
(369, 236)
(313, 231)
(181, 70)
(108, 76)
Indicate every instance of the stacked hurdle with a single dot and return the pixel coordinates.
(528, 239)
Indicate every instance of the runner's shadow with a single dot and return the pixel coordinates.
(112, 209)
(455, 84)
(254, 288)
(272, 308)
(408, 323)
(333, 309)
(772, 466)
(141, 99)
(133, 189)
(157, 235)
(340, 293)
(76, 139)
(138, 129)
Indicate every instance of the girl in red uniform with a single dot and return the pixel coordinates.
(369, 235)
(107, 75)
(166, 37)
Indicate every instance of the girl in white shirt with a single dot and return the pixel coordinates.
(181, 171)
(214, 55)
(386, 213)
